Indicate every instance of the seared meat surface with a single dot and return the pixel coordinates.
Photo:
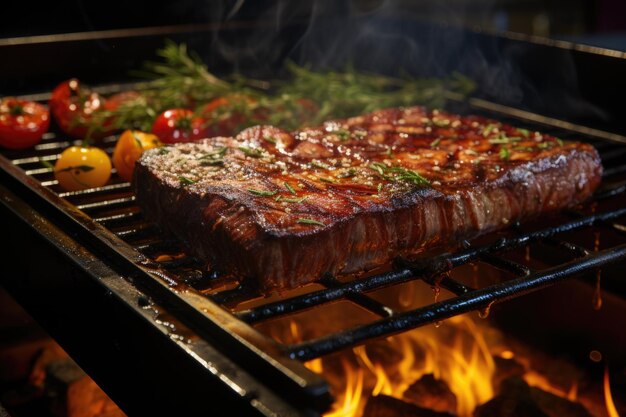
(283, 208)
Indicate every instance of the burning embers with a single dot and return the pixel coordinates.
(460, 367)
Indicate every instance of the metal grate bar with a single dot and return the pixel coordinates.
(362, 300)
(462, 304)
(426, 269)
(571, 248)
(507, 265)
(107, 203)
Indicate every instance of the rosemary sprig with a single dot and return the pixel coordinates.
(399, 174)
(290, 188)
(181, 79)
(262, 193)
(303, 220)
(184, 181)
(280, 198)
(252, 153)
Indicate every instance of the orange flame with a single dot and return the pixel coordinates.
(455, 353)
(608, 398)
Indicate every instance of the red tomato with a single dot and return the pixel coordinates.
(22, 123)
(116, 100)
(227, 116)
(178, 125)
(73, 105)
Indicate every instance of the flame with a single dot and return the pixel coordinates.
(455, 352)
(350, 404)
(608, 398)
(463, 361)
(535, 379)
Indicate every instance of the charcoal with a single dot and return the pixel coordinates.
(513, 401)
(431, 393)
(386, 406)
(555, 406)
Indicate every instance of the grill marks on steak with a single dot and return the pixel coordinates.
(284, 208)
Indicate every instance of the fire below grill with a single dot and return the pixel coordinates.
(163, 303)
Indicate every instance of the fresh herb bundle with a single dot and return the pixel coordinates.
(181, 79)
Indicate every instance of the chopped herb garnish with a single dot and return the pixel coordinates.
(163, 151)
(441, 123)
(504, 153)
(290, 188)
(318, 164)
(329, 180)
(524, 132)
(471, 152)
(262, 193)
(253, 153)
(504, 139)
(213, 158)
(211, 162)
(360, 134)
(378, 167)
(280, 198)
(380, 187)
(347, 174)
(523, 149)
(388, 151)
(342, 134)
(185, 181)
(309, 221)
(489, 128)
(545, 145)
(270, 139)
(435, 142)
(46, 164)
(408, 175)
(559, 141)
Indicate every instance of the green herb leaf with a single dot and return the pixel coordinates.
(309, 221)
(270, 139)
(290, 188)
(504, 153)
(280, 198)
(46, 164)
(435, 142)
(318, 164)
(253, 153)
(262, 193)
(184, 181)
(342, 134)
(347, 174)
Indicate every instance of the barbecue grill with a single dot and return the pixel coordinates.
(161, 336)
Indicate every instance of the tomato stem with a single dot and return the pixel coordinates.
(16, 110)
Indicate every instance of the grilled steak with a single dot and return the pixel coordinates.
(282, 208)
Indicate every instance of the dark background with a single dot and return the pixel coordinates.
(595, 22)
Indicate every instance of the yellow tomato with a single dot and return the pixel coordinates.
(81, 167)
(129, 148)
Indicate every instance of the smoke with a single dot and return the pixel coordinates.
(425, 38)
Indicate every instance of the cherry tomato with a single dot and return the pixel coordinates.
(22, 123)
(178, 125)
(129, 148)
(73, 105)
(227, 116)
(81, 167)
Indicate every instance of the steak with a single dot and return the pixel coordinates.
(282, 209)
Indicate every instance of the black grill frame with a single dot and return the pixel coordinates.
(282, 364)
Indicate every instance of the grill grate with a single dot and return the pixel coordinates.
(113, 207)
